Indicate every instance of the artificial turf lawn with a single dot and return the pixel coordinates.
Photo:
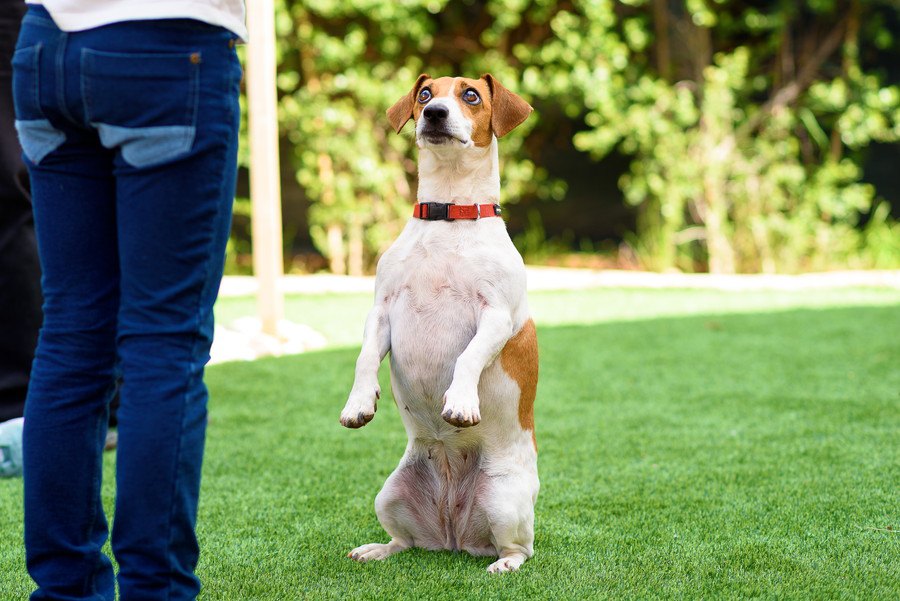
(693, 444)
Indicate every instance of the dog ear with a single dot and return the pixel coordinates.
(402, 111)
(508, 110)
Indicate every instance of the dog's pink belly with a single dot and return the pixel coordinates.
(440, 496)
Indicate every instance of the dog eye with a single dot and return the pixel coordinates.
(424, 95)
(471, 96)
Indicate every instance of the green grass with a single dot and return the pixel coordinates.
(693, 444)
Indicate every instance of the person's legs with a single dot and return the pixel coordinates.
(20, 274)
(72, 380)
(164, 95)
(73, 371)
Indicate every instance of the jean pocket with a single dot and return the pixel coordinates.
(143, 104)
(36, 134)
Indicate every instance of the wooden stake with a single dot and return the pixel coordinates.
(265, 187)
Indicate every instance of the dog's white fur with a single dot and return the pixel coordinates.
(449, 296)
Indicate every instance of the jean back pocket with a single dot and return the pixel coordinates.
(36, 134)
(143, 104)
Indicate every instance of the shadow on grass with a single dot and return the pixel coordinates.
(722, 456)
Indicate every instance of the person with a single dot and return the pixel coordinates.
(20, 275)
(20, 271)
(128, 117)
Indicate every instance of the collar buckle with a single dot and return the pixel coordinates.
(437, 211)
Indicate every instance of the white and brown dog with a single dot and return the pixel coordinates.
(451, 308)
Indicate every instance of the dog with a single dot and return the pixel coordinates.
(451, 308)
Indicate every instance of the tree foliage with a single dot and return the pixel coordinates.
(746, 126)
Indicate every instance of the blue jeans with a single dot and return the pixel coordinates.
(129, 133)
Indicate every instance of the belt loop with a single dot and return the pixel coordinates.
(477, 211)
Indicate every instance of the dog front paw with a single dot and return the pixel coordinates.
(462, 414)
(360, 408)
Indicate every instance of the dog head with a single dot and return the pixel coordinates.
(459, 112)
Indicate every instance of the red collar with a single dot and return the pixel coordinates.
(439, 211)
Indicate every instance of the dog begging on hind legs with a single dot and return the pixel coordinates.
(451, 308)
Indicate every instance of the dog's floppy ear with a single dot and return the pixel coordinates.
(508, 110)
(402, 111)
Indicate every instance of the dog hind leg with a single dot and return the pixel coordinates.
(407, 508)
(376, 551)
(510, 512)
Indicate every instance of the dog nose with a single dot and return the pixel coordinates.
(436, 113)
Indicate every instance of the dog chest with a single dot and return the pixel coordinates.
(432, 322)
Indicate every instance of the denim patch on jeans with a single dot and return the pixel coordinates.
(36, 134)
(130, 137)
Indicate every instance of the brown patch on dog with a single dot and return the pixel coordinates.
(519, 359)
(479, 114)
(509, 109)
(402, 111)
(439, 87)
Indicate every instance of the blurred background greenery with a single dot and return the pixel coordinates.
(726, 136)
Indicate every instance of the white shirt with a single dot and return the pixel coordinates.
(78, 15)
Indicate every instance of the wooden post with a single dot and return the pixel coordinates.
(265, 187)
